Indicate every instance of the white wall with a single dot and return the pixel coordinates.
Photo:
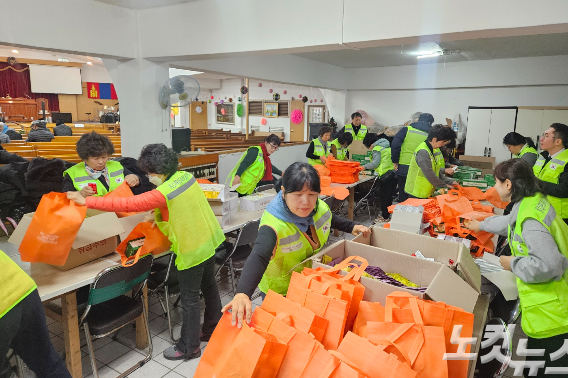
(281, 159)
(96, 73)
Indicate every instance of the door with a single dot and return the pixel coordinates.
(297, 131)
(197, 115)
(502, 123)
(477, 137)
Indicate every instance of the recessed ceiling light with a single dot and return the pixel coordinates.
(15, 51)
(430, 54)
(90, 63)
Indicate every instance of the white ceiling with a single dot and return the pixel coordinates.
(25, 53)
(143, 4)
(475, 49)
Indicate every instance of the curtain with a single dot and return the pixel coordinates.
(15, 81)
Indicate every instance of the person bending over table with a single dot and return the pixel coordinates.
(294, 226)
(183, 214)
(319, 148)
(255, 168)
(425, 173)
(339, 146)
(96, 170)
(538, 238)
(521, 147)
(22, 324)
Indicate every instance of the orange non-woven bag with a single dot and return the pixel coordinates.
(324, 365)
(471, 193)
(495, 199)
(368, 312)
(455, 201)
(155, 242)
(343, 172)
(122, 191)
(52, 231)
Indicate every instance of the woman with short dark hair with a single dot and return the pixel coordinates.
(96, 175)
(294, 226)
(183, 214)
(255, 168)
(340, 146)
(521, 147)
(319, 148)
(539, 245)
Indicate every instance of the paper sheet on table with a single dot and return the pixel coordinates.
(234, 187)
(505, 280)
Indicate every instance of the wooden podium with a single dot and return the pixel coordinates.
(19, 109)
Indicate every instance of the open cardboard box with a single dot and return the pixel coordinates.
(357, 148)
(96, 237)
(441, 250)
(443, 285)
(485, 163)
(222, 206)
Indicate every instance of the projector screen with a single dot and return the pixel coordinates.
(55, 79)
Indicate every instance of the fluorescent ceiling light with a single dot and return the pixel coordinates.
(15, 51)
(431, 54)
(90, 63)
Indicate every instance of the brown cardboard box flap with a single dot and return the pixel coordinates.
(98, 227)
(357, 148)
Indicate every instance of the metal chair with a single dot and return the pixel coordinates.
(161, 282)
(235, 261)
(263, 188)
(495, 368)
(365, 200)
(108, 309)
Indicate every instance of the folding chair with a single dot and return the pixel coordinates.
(365, 200)
(108, 309)
(496, 368)
(161, 282)
(242, 248)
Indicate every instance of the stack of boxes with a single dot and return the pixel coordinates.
(468, 176)
(224, 204)
(364, 159)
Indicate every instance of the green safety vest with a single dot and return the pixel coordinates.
(81, 178)
(412, 139)
(341, 151)
(292, 248)
(544, 305)
(550, 172)
(360, 135)
(416, 183)
(15, 284)
(191, 227)
(319, 151)
(524, 150)
(251, 176)
(386, 161)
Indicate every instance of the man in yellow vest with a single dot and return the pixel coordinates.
(403, 146)
(340, 146)
(319, 149)
(22, 324)
(427, 165)
(550, 168)
(355, 128)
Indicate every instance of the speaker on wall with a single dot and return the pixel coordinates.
(181, 139)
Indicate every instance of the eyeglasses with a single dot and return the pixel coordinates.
(545, 135)
(273, 146)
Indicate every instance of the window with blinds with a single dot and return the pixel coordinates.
(256, 108)
(283, 108)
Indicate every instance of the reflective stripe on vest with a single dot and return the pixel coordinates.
(416, 183)
(251, 176)
(191, 227)
(319, 151)
(360, 135)
(340, 150)
(550, 172)
(293, 247)
(386, 161)
(14, 283)
(411, 141)
(544, 305)
(80, 178)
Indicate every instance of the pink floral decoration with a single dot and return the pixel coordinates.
(263, 121)
(285, 91)
(297, 116)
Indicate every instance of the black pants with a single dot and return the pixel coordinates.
(24, 330)
(386, 191)
(402, 195)
(198, 278)
(550, 345)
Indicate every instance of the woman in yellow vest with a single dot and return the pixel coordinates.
(539, 243)
(426, 170)
(319, 149)
(521, 147)
(340, 146)
(183, 214)
(22, 324)
(96, 175)
(255, 168)
(382, 164)
(295, 225)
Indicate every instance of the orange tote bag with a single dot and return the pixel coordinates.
(122, 191)
(53, 229)
(155, 242)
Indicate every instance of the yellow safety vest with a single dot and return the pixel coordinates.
(550, 172)
(386, 161)
(191, 227)
(524, 150)
(319, 151)
(341, 151)
(544, 305)
(360, 135)
(251, 176)
(416, 183)
(411, 141)
(81, 178)
(292, 248)
(15, 284)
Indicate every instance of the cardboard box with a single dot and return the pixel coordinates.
(485, 163)
(256, 201)
(222, 206)
(406, 221)
(441, 282)
(224, 219)
(357, 148)
(441, 250)
(475, 183)
(128, 223)
(215, 191)
(96, 237)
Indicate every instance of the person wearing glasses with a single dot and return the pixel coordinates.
(255, 168)
(96, 175)
(550, 168)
